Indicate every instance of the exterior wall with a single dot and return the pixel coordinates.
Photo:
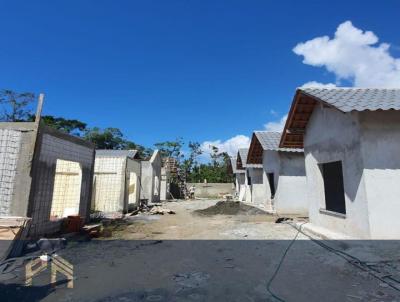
(247, 195)
(333, 136)
(151, 178)
(51, 146)
(380, 146)
(258, 188)
(271, 164)
(241, 180)
(164, 186)
(132, 184)
(109, 184)
(291, 187)
(17, 145)
(146, 181)
(211, 190)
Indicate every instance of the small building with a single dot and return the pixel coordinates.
(351, 140)
(46, 175)
(238, 174)
(283, 176)
(151, 178)
(116, 181)
(253, 182)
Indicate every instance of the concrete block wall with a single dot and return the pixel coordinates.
(211, 190)
(10, 143)
(108, 184)
(52, 146)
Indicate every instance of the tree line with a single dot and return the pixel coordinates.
(17, 107)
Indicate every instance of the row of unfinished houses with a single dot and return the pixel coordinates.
(337, 162)
(47, 176)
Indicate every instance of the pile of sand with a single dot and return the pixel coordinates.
(230, 208)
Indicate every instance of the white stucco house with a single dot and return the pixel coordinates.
(238, 174)
(283, 175)
(116, 181)
(151, 178)
(351, 140)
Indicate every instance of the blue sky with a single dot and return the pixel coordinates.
(201, 70)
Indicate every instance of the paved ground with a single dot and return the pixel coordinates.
(189, 257)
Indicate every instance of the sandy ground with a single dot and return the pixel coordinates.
(186, 224)
(189, 257)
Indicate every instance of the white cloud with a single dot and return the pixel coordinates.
(315, 84)
(354, 55)
(276, 126)
(230, 146)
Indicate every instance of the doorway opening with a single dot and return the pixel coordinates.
(271, 181)
(67, 189)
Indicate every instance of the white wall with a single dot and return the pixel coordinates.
(108, 193)
(132, 189)
(380, 145)
(335, 136)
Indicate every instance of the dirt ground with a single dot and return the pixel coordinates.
(190, 224)
(192, 256)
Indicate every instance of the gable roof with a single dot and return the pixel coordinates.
(270, 141)
(117, 153)
(242, 158)
(265, 141)
(342, 99)
(233, 165)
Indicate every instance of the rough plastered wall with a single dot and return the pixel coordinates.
(291, 188)
(52, 146)
(151, 178)
(10, 143)
(132, 183)
(271, 164)
(241, 186)
(147, 181)
(335, 136)
(164, 190)
(258, 187)
(109, 184)
(380, 146)
(247, 190)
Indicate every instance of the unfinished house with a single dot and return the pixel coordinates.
(252, 176)
(239, 175)
(351, 140)
(116, 181)
(284, 187)
(46, 175)
(151, 178)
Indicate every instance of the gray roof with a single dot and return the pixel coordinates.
(243, 152)
(116, 153)
(233, 164)
(357, 99)
(270, 141)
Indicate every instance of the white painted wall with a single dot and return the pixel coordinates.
(132, 190)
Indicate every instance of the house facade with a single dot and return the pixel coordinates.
(45, 174)
(116, 181)
(351, 139)
(282, 176)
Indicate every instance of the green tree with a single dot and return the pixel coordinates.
(171, 149)
(144, 152)
(74, 127)
(15, 105)
(109, 138)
